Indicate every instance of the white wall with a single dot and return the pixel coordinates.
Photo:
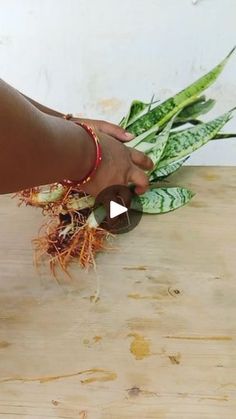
(94, 57)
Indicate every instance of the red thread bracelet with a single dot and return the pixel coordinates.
(98, 159)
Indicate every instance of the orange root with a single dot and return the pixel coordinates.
(80, 245)
(26, 196)
(33, 197)
(66, 237)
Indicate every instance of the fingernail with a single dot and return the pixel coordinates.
(129, 136)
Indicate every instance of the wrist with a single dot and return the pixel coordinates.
(80, 154)
(71, 152)
(98, 157)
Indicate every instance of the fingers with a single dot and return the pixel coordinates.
(141, 160)
(115, 131)
(140, 179)
(108, 128)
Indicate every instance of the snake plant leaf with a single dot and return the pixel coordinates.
(162, 113)
(146, 136)
(164, 172)
(182, 144)
(145, 146)
(188, 108)
(187, 115)
(160, 144)
(161, 200)
(154, 144)
(191, 112)
(136, 109)
(224, 136)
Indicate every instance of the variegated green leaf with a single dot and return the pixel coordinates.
(136, 109)
(146, 136)
(161, 200)
(224, 136)
(193, 111)
(159, 174)
(162, 113)
(160, 144)
(145, 146)
(182, 144)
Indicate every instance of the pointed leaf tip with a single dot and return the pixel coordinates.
(191, 193)
(231, 52)
(232, 110)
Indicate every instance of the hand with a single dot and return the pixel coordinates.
(120, 165)
(107, 128)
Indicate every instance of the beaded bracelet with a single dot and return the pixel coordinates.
(98, 158)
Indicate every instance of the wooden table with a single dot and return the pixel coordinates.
(158, 342)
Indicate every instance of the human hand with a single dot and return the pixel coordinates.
(108, 128)
(120, 165)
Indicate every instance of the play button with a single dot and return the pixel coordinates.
(120, 216)
(116, 209)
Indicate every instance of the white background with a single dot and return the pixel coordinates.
(93, 57)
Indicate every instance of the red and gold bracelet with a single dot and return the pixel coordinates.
(98, 158)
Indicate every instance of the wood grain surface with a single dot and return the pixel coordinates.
(151, 334)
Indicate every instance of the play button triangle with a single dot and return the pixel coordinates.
(116, 209)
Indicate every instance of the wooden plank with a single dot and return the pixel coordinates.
(159, 343)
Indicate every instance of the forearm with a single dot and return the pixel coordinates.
(38, 149)
(43, 108)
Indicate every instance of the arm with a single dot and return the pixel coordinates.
(43, 108)
(38, 149)
(104, 126)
